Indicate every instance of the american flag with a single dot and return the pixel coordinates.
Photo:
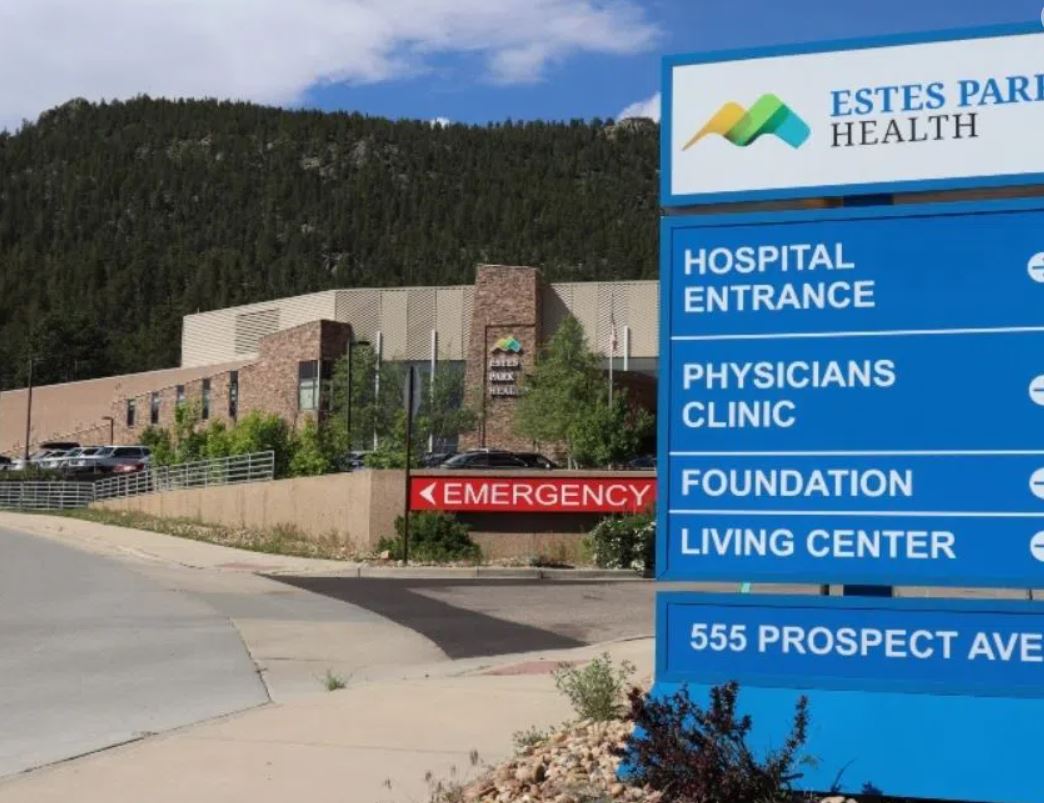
(612, 334)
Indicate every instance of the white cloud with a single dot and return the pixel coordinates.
(439, 122)
(271, 51)
(650, 107)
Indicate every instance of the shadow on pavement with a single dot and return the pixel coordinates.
(459, 632)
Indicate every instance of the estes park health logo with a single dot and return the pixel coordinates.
(768, 115)
(508, 344)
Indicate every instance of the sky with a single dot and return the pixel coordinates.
(470, 61)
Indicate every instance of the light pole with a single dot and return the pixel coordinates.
(406, 472)
(28, 413)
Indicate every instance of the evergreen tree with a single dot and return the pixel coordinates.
(561, 390)
(116, 219)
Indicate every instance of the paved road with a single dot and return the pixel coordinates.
(93, 654)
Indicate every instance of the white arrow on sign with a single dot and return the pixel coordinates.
(1037, 546)
(1036, 267)
(428, 494)
(1036, 390)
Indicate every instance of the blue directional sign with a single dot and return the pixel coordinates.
(975, 391)
(903, 268)
(919, 698)
(853, 395)
(938, 646)
(854, 370)
(879, 549)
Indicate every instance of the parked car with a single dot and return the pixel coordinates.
(79, 460)
(536, 460)
(485, 459)
(62, 446)
(350, 461)
(435, 459)
(5, 463)
(36, 459)
(53, 459)
(644, 463)
(119, 459)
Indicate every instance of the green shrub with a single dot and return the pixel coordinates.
(624, 542)
(33, 474)
(596, 690)
(434, 537)
(258, 432)
(309, 458)
(526, 740)
(160, 445)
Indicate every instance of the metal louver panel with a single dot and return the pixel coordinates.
(252, 326)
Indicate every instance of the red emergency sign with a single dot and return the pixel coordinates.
(533, 494)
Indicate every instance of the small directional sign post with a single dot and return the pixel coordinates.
(855, 395)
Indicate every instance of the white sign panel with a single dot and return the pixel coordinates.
(878, 117)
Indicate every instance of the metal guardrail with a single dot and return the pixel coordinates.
(45, 495)
(63, 495)
(254, 467)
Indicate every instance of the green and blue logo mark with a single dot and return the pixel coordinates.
(508, 344)
(768, 115)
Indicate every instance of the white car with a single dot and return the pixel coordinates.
(80, 459)
(52, 459)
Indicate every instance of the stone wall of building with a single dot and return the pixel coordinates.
(506, 308)
(268, 385)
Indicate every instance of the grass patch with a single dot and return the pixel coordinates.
(333, 682)
(283, 539)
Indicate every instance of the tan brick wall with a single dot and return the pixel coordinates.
(76, 410)
(270, 384)
(167, 404)
(507, 303)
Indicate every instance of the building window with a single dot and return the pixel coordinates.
(154, 409)
(130, 412)
(308, 385)
(179, 394)
(233, 394)
(205, 412)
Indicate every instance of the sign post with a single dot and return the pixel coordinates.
(855, 395)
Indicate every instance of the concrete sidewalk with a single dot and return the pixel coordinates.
(371, 743)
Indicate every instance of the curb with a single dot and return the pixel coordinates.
(490, 573)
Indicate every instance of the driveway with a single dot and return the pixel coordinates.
(94, 654)
(468, 618)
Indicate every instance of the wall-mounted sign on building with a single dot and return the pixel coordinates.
(505, 367)
(874, 116)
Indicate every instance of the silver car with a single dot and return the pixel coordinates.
(119, 459)
(79, 460)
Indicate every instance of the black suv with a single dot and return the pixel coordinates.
(483, 459)
(497, 459)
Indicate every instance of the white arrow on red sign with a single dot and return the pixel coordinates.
(428, 494)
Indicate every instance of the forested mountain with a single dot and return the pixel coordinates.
(118, 218)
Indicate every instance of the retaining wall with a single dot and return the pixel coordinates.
(360, 508)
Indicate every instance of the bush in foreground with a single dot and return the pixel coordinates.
(434, 538)
(692, 755)
(596, 690)
(624, 542)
